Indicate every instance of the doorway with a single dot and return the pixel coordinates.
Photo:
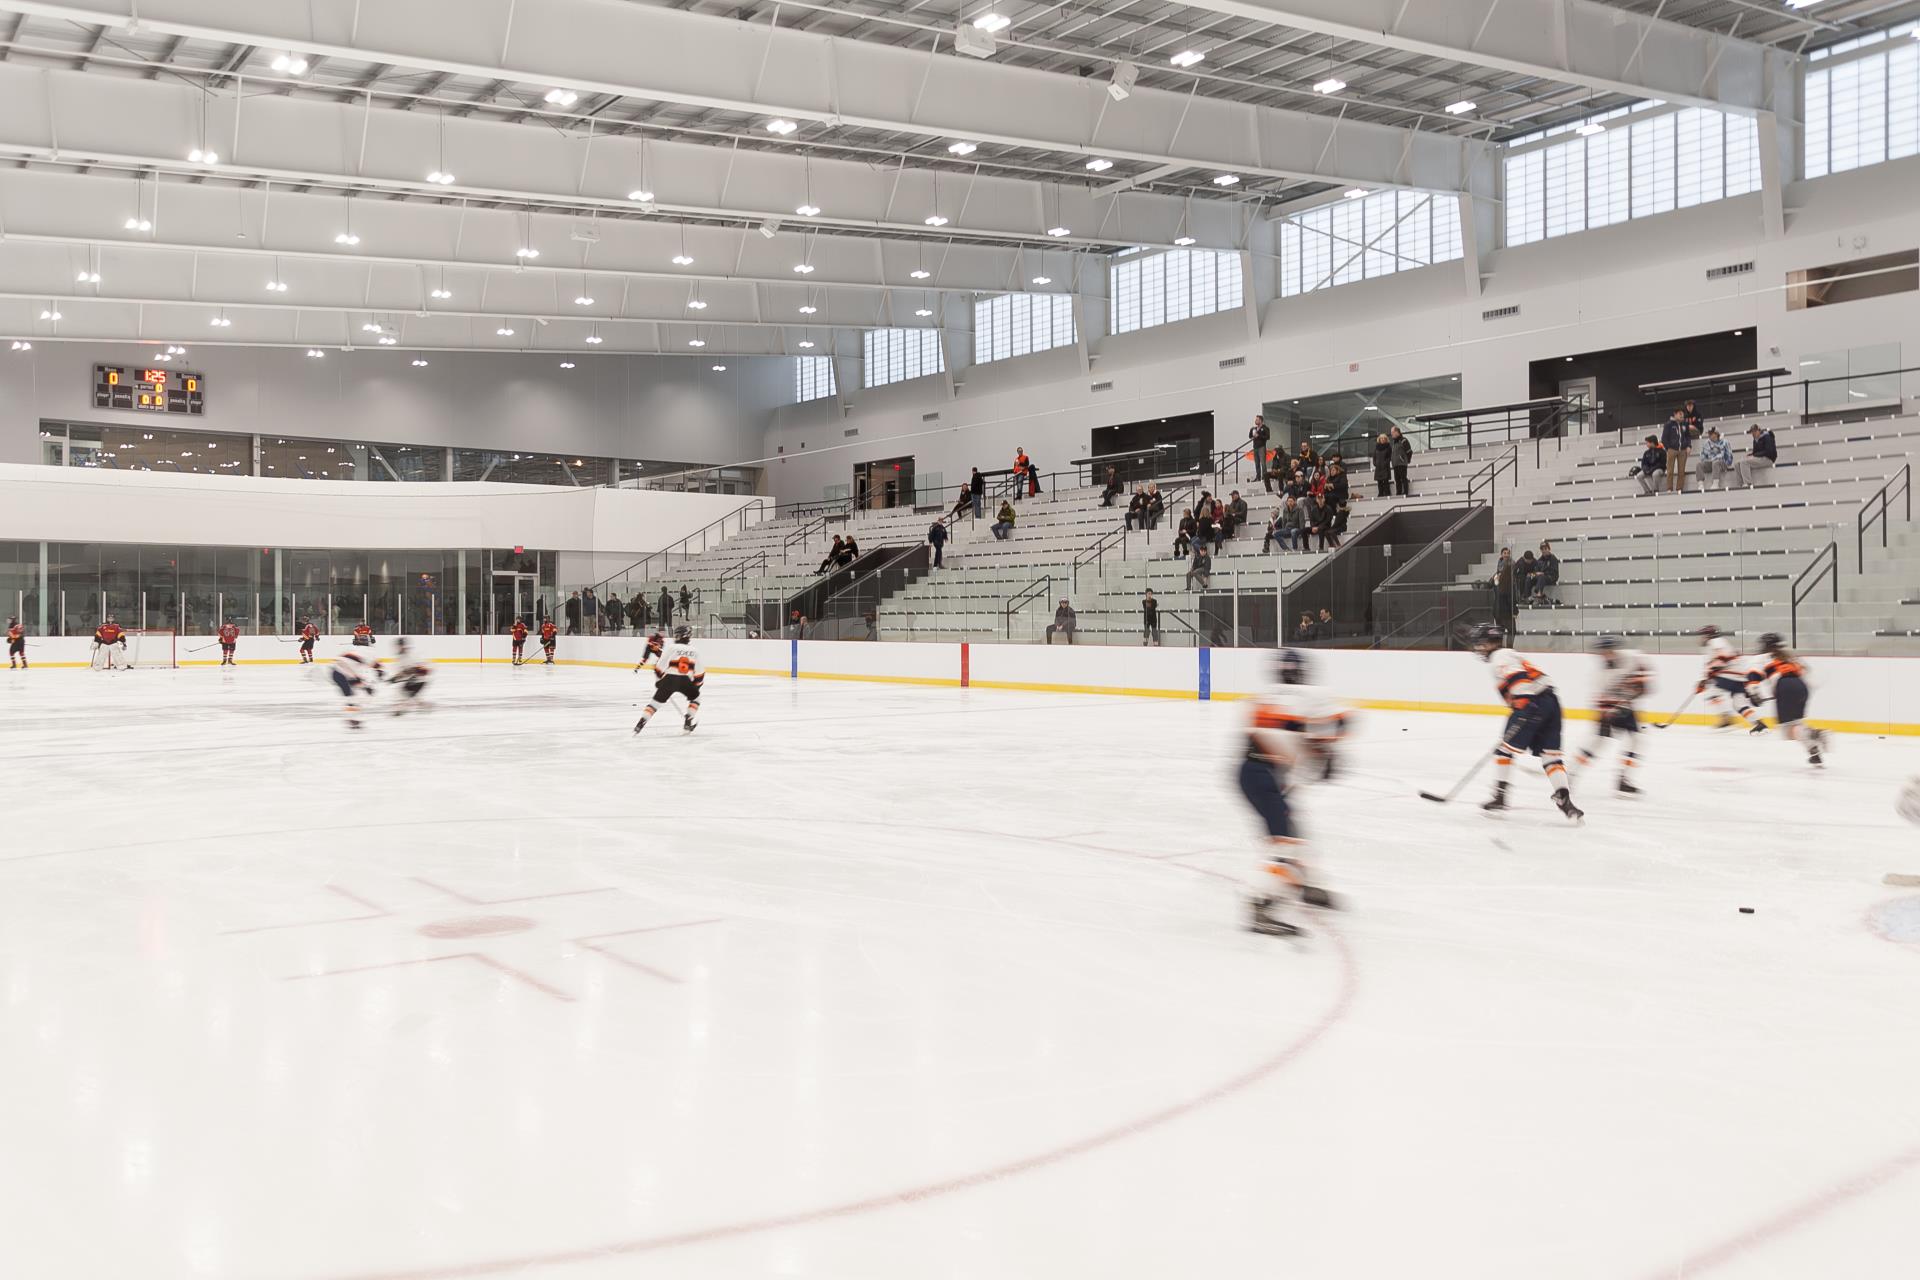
(1580, 394)
(883, 484)
(516, 595)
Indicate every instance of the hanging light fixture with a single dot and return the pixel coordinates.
(642, 194)
(203, 154)
(441, 175)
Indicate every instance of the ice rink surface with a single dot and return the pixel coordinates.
(924, 984)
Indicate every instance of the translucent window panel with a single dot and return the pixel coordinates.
(1565, 194)
(901, 355)
(506, 466)
(1652, 143)
(1415, 213)
(1903, 100)
(1526, 203)
(1349, 232)
(1178, 284)
(1020, 324)
(1446, 230)
(1380, 220)
(812, 378)
(1609, 178)
(1817, 161)
(1699, 154)
(1289, 259)
(1743, 155)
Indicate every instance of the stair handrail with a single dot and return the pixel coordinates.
(1040, 586)
(758, 505)
(861, 579)
(1490, 474)
(1829, 557)
(740, 570)
(800, 535)
(1878, 514)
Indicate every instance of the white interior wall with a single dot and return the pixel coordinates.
(1640, 281)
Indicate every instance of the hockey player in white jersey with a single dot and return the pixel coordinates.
(1533, 720)
(1724, 681)
(1290, 740)
(1626, 677)
(354, 677)
(677, 673)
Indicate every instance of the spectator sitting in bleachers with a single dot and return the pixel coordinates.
(1287, 527)
(1307, 458)
(1114, 488)
(1690, 413)
(1760, 456)
(965, 504)
(1523, 574)
(1652, 468)
(1716, 460)
(1237, 513)
(1201, 568)
(1184, 533)
(1064, 622)
(1320, 523)
(833, 554)
(1546, 574)
(1328, 628)
(1383, 465)
(1306, 631)
(1156, 505)
(1137, 509)
(1003, 522)
(849, 552)
(1205, 530)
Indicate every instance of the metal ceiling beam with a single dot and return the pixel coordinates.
(723, 64)
(1578, 42)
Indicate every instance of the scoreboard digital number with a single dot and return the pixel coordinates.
(149, 390)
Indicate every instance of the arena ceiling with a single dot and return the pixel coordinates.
(442, 170)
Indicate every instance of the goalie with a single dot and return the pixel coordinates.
(678, 673)
(107, 637)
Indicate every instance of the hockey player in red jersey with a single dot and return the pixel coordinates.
(229, 641)
(1533, 720)
(549, 640)
(519, 633)
(308, 634)
(656, 645)
(106, 638)
(16, 644)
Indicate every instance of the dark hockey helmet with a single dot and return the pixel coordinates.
(1606, 644)
(1709, 632)
(1485, 638)
(1772, 641)
(1290, 667)
(683, 635)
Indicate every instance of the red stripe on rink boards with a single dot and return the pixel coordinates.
(966, 657)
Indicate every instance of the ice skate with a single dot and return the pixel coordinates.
(1498, 801)
(1260, 920)
(1563, 799)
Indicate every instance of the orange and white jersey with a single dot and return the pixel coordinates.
(1289, 718)
(1628, 680)
(1767, 670)
(1723, 659)
(1518, 680)
(680, 660)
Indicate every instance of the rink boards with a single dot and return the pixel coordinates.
(1851, 695)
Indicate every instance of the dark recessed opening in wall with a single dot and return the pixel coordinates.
(1605, 385)
(1176, 445)
(882, 484)
(1874, 277)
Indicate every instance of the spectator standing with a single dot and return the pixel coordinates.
(977, 488)
(1402, 460)
(1695, 423)
(1201, 568)
(1678, 443)
(1033, 479)
(1003, 523)
(637, 611)
(1258, 435)
(1184, 533)
(1761, 456)
(937, 536)
(1149, 619)
(1546, 567)
(1020, 465)
(573, 613)
(1339, 501)
(615, 611)
(590, 611)
(664, 606)
(1114, 488)
(833, 554)
(1653, 466)
(1716, 460)
(1064, 622)
(1383, 465)
(1503, 590)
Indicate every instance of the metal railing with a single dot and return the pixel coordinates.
(1039, 587)
(1824, 567)
(1874, 511)
(646, 564)
(1489, 476)
(757, 561)
(1494, 425)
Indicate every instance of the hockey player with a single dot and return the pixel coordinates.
(1627, 678)
(308, 634)
(519, 633)
(549, 640)
(1789, 677)
(1288, 720)
(1724, 682)
(1533, 719)
(678, 672)
(229, 641)
(16, 645)
(656, 645)
(105, 637)
(353, 676)
(410, 677)
(363, 636)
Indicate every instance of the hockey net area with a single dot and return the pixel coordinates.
(147, 648)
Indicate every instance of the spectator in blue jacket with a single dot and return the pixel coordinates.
(1653, 465)
(1716, 460)
(1677, 439)
(937, 535)
(1760, 456)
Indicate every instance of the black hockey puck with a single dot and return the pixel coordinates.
(1746, 911)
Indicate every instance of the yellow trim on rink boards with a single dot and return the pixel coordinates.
(1118, 691)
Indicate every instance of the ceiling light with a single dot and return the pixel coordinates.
(806, 344)
(562, 97)
(583, 301)
(1058, 232)
(504, 332)
(993, 22)
(920, 273)
(526, 251)
(1227, 180)
(346, 237)
(682, 260)
(23, 346)
(221, 322)
(781, 127)
(197, 156)
(936, 221)
(443, 179)
(1184, 240)
(1332, 84)
(1461, 108)
(442, 294)
(139, 224)
(1043, 279)
(808, 210)
(962, 148)
(276, 286)
(419, 364)
(291, 64)
(1099, 166)
(314, 353)
(176, 351)
(1187, 58)
(803, 268)
(696, 342)
(923, 312)
(595, 339)
(642, 195)
(566, 364)
(719, 368)
(370, 327)
(1354, 193)
(1590, 128)
(808, 310)
(87, 277)
(697, 304)
(385, 341)
(50, 314)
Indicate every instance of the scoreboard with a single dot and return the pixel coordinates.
(152, 390)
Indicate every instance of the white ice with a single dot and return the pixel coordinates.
(893, 982)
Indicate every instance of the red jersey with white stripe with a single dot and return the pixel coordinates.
(1518, 680)
(229, 634)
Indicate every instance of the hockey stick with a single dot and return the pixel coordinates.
(1459, 786)
(1905, 882)
(1668, 722)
